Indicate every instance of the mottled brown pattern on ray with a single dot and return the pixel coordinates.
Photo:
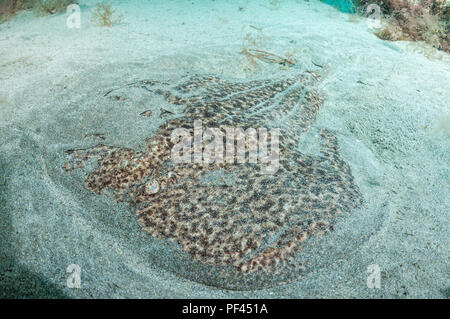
(256, 223)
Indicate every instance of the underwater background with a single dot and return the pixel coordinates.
(371, 89)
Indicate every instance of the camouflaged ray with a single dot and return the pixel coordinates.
(256, 223)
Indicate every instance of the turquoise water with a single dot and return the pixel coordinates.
(343, 5)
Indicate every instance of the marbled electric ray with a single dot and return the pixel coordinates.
(256, 223)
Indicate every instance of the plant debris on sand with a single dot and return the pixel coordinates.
(103, 15)
(45, 7)
(8, 8)
(422, 20)
(252, 54)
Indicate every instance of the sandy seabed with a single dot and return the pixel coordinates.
(388, 104)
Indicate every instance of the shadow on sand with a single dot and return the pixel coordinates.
(16, 280)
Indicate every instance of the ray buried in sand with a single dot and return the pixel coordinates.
(207, 146)
(250, 225)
